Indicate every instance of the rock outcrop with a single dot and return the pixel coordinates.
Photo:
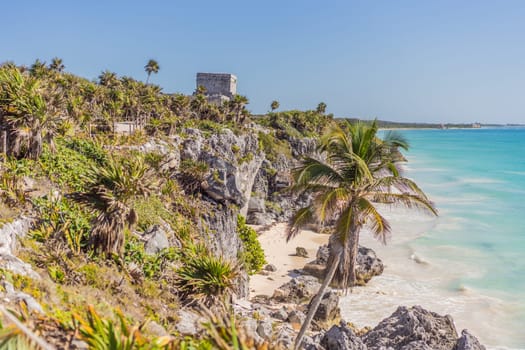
(341, 338)
(298, 290)
(328, 311)
(233, 160)
(219, 230)
(9, 235)
(468, 342)
(413, 328)
(368, 265)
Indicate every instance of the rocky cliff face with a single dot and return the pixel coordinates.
(240, 180)
(219, 230)
(233, 160)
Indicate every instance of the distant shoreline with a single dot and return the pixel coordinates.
(390, 125)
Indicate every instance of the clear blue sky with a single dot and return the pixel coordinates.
(434, 61)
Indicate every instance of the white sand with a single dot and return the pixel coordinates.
(282, 254)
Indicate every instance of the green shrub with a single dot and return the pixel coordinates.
(68, 165)
(62, 219)
(152, 264)
(192, 174)
(89, 148)
(272, 146)
(11, 180)
(253, 255)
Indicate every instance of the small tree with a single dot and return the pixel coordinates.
(56, 65)
(274, 105)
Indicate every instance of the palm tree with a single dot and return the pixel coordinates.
(38, 68)
(151, 67)
(355, 171)
(112, 189)
(56, 65)
(25, 115)
(274, 105)
(321, 108)
(236, 108)
(108, 79)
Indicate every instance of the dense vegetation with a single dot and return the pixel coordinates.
(91, 193)
(95, 194)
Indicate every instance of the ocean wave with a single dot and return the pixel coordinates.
(480, 180)
(519, 173)
(419, 259)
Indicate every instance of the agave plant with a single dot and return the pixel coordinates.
(104, 334)
(206, 278)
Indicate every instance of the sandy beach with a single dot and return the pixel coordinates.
(282, 254)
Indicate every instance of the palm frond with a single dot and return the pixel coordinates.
(329, 202)
(378, 224)
(300, 219)
(314, 171)
(393, 138)
(407, 200)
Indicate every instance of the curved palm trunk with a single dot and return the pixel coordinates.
(316, 302)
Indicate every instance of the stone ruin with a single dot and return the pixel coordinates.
(220, 87)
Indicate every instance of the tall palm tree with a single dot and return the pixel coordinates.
(57, 64)
(112, 189)
(151, 67)
(354, 171)
(28, 119)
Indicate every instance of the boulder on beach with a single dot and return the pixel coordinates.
(368, 265)
(328, 312)
(341, 338)
(413, 328)
(298, 290)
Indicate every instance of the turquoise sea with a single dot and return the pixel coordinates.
(470, 261)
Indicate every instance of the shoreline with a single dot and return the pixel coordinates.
(281, 254)
(406, 281)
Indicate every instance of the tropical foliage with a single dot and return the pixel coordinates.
(29, 114)
(253, 255)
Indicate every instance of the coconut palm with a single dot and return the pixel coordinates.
(25, 115)
(57, 65)
(353, 173)
(151, 67)
(112, 189)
